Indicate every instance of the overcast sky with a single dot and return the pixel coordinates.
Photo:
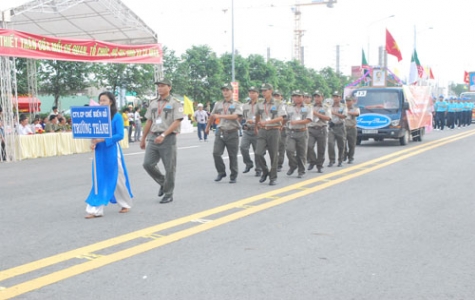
(352, 24)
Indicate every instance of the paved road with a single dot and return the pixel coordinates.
(396, 225)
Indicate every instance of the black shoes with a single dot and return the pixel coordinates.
(310, 167)
(248, 168)
(331, 164)
(290, 172)
(340, 165)
(220, 176)
(301, 175)
(166, 199)
(233, 180)
(264, 177)
(279, 169)
(160, 192)
(258, 173)
(272, 182)
(350, 161)
(319, 170)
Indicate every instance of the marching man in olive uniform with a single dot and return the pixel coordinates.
(164, 117)
(269, 119)
(228, 112)
(351, 131)
(283, 133)
(249, 137)
(298, 116)
(318, 133)
(337, 131)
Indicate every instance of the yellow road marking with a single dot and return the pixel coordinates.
(120, 255)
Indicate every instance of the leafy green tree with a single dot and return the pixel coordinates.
(261, 72)
(22, 75)
(303, 80)
(332, 80)
(171, 70)
(204, 71)
(458, 88)
(285, 77)
(136, 78)
(62, 78)
(241, 72)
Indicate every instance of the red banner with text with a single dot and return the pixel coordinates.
(21, 44)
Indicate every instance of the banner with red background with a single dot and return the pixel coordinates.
(21, 44)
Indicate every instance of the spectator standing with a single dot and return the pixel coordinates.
(138, 124)
(201, 117)
(125, 118)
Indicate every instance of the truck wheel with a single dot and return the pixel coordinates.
(404, 140)
(422, 131)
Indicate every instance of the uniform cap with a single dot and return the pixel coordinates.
(441, 96)
(297, 93)
(350, 98)
(164, 81)
(227, 86)
(200, 105)
(317, 92)
(266, 86)
(306, 94)
(253, 89)
(336, 93)
(277, 92)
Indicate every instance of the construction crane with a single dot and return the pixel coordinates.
(298, 32)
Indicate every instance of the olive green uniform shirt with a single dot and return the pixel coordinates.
(163, 112)
(228, 108)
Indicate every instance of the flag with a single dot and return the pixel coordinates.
(364, 63)
(93, 103)
(392, 47)
(188, 107)
(466, 78)
(431, 75)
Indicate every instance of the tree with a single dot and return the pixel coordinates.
(204, 72)
(241, 70)
(458, 88)
(62, 78)
(137, 78)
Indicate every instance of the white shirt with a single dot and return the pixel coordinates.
(137, 116)
(24, 130)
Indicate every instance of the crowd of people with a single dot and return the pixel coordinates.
(452, 112)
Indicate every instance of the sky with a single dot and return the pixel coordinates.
(440, 29)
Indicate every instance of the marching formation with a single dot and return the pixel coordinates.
(302, 130)
(453, 112)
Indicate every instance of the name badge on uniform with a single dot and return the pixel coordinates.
(267, 119)
(158, 120)
(297, 118)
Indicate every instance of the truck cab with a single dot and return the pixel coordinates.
(383, 115)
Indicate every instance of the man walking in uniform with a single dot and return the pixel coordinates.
(283, 133)
(269, 118)
(298, 116)
(337, 131)
(249, 137)
(318, 133)
(228, 112)
(440, 108)
(164, 116)
(351, 131)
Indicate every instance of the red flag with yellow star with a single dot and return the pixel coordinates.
(392, 47)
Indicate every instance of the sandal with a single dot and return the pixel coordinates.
(90, 216)
(124, 210)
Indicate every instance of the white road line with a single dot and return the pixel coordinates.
(143, 152)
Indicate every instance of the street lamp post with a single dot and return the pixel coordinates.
(367, 31)
(232, 42)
